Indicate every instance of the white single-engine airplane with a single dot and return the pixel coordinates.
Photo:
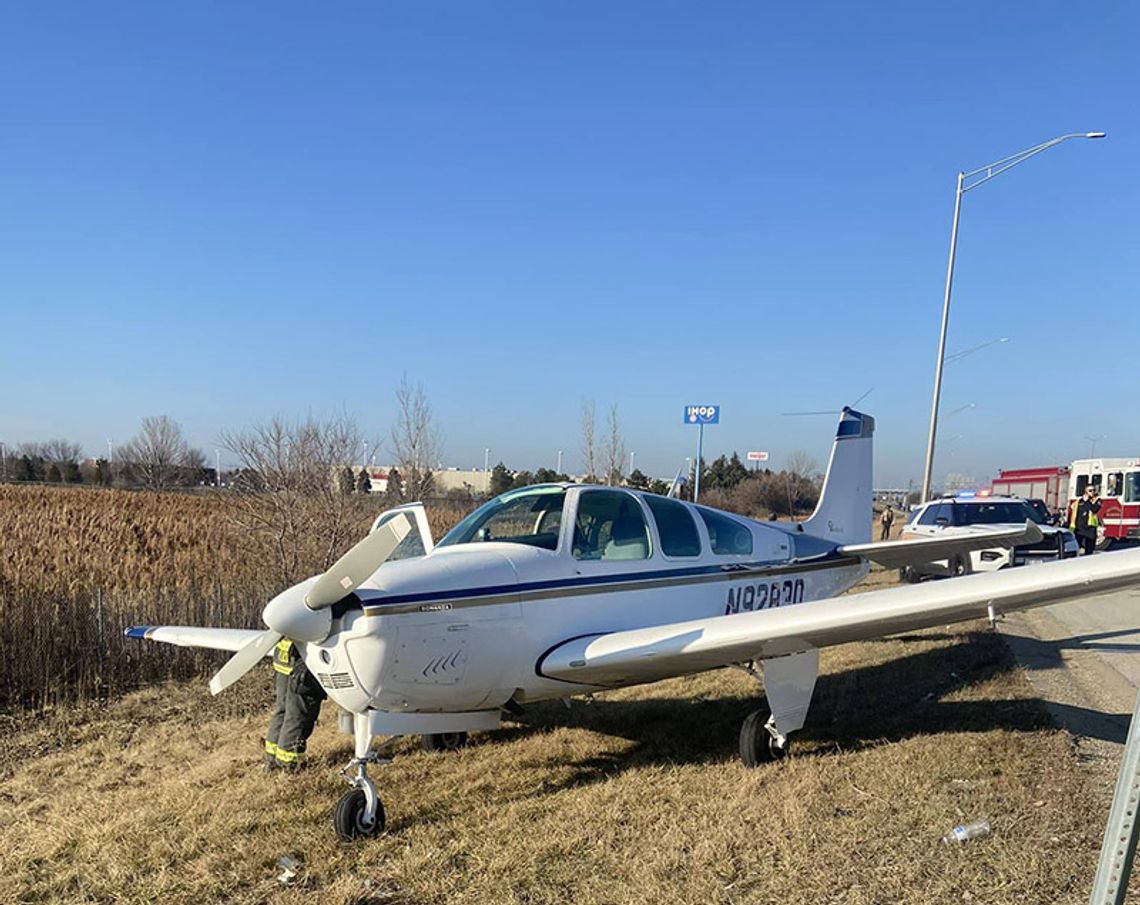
(556, 590)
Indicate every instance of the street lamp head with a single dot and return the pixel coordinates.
(1095, 134)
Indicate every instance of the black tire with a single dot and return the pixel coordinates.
(348, 818)
(444, 741)
(959, 565)
(909, 576)
(756, 743)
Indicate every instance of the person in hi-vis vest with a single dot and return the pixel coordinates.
(296, 707)
(1083, 519)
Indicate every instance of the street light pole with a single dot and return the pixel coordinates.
(967, 181)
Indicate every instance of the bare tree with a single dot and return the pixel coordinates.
(158, 456)
(613, 448)
(801, 481)
(415, 440)
(288, 488)
(589, 442)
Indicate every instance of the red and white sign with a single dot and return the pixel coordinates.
(754, 456)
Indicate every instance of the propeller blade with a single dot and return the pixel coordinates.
(244, 660)
(347, 573)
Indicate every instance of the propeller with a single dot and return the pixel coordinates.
(347, 573)
(302, 611)
(243, 661)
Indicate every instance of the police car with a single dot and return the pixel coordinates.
(971, 513)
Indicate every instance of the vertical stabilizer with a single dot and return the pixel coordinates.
(843, 514)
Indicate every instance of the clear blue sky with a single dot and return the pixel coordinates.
(224, 211)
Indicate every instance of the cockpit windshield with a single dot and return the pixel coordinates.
(531, 516)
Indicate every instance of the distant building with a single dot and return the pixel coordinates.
(474, 481)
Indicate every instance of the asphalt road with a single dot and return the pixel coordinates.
(1083, 658)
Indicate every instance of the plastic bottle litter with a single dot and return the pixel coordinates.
(967, 831)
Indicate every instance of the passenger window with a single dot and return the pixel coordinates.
(609, 526)
(931, 513)
(1114, 483)
(1082, 483)
(1132, 487)
(728, 536)
(675, 526)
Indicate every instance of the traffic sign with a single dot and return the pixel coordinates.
(702, 414)
(754, 456)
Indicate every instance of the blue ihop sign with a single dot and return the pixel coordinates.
(702, 414)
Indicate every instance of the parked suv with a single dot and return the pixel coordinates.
(975, 515)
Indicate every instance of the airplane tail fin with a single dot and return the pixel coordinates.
(843, 513)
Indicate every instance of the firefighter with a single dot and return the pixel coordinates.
(1083, 519)
(297, 705)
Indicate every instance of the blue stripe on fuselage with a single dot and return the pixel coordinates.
(728, 569)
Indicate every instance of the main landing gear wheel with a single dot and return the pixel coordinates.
(348, 818)
(757, 744)
(444, 741)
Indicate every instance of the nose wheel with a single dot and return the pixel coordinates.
(360, 813)
(351, 817)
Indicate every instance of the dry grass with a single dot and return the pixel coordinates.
(77, 565)
(637, 797)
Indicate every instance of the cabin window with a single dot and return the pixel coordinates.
(1132, 487)
(610, 526)
(531, 516)
(1114, 483)
(1085, 480)
(932, 514)
(675, 527)
(727, 536)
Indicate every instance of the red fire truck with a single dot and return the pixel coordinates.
(1050, 483)
(1118, 483)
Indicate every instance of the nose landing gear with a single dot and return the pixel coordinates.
(360, 812)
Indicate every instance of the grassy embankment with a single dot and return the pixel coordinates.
(637, 797)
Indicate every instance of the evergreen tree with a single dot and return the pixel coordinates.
(346, 481)
(500, 479)
(395, 492)
(638, 480)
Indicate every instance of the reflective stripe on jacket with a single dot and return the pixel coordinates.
(282, 657)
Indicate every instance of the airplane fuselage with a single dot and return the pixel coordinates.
(466, 627)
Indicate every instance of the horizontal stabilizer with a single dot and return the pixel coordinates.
(894, 554)
(231, 639)
(649, 654)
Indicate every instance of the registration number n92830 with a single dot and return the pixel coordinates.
(764, 596)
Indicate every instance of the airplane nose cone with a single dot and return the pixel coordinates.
(287, 613)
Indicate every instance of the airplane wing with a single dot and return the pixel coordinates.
(649, 654)
(231, 639)
(918, 550)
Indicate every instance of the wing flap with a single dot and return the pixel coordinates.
(646, 655)
(914, 551)
(231, 639)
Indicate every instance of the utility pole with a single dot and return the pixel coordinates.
(559, 469)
